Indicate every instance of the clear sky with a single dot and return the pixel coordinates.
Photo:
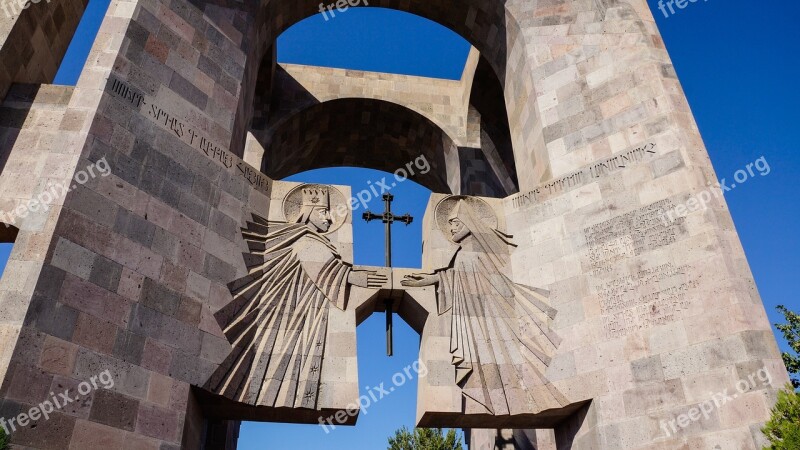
(738, 64)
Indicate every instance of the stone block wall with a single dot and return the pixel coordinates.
(33, 40)
(125, 272)
(134, 263)
(33, 121)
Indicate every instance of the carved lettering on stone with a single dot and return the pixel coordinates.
(645, 299)
(187, 134)
(630, 235)
(584, 176)
(650, 297)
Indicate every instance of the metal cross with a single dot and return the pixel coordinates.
(388, 219)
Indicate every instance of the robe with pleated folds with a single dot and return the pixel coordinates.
(500, 338)
(277, 321)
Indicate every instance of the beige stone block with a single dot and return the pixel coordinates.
(743, 409)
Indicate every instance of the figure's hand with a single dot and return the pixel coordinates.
(419, 280)
(368, 279)
(376, 280)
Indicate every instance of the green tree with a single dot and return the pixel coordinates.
(3, 440)
(783, 429)
(424, 439)
(791, 332)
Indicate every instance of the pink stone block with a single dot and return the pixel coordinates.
(156, 356)
(94, 333)
(130, 284)
(159, 390)
(135, 441)
(94, 300)
(29, 385)
(58, 356)
(94, 436)
(157, 422)
(179, 396)
(174, 277)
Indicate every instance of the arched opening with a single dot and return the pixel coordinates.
(363, 133)
(389, 385)
(411, 45)
(457, 139)
(77, 53)
(462, 125)
(8, 279)
(44, 46)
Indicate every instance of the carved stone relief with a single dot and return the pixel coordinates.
(278, 319)
(501, 341)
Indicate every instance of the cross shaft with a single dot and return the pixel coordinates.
(388, 218)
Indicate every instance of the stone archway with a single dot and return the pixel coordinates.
(127, 273)
(363, 133)
(492, 29)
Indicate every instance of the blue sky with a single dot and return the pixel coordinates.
(739, 67)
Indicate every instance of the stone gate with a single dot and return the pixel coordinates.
(560, 289)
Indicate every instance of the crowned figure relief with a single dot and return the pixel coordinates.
(277, 322)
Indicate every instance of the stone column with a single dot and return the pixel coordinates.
(34, 39)
(117, 279)
(629, 234)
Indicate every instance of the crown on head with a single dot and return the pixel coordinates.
(319, 197)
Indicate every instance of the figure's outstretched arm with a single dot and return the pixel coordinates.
(420, 280)
(368, 279)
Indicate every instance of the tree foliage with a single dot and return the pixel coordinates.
(424, 439)
(3, 440)
(791, 332)
(783, 429)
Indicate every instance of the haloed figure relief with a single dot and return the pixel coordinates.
(277, 321)
(500, 338)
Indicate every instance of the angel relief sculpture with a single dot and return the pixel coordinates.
(277, 321)
(500, 337)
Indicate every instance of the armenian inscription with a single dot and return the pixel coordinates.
(583, 176)
(645, 299)
(191, 136)
(629, 235)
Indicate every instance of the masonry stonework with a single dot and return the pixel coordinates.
(595, 324)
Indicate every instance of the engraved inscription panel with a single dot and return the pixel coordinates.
(629, 235)
(645, 299)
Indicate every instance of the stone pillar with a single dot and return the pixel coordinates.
(507, 439)
(118, 278)
(34, 39)
(629, 234)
